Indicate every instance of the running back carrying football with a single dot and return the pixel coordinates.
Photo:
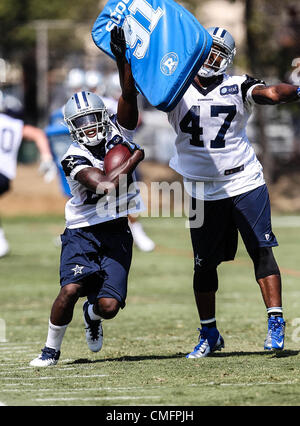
(163, 65)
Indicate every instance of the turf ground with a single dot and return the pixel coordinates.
(142, 361)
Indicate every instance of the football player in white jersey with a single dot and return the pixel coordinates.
(12, 131)
(212, 147)
(97, 242)
(112, 90)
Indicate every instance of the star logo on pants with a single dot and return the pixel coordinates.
(198, 260)
(77, 270)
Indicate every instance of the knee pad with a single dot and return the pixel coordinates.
(264, 262)
(205, 280)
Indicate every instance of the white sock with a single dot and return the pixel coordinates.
(2, 234)
(92, 315)
(275, 310)
(55, 336)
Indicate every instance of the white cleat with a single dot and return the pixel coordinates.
(141, 240)
(47, 358)
(4, 246)
(93, 330)
(210, 340)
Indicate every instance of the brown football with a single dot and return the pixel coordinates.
(115, 157)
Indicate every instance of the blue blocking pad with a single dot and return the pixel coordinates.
(166, 46)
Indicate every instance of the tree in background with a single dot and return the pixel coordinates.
(273, 33)
(18, 37)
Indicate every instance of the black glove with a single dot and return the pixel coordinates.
(118, 42)
(131, 146)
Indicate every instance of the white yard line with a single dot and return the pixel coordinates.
(107, 389)
(246, 384)
(54, 377)
(96, 398)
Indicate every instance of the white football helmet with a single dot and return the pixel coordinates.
(87, 118)
(113, 88)
(75, 79)
(94, 81)
(223, 47)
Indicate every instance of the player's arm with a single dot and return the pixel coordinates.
(47, 165)
(39, 137)
(276, 94)
(127, 114)
(95, 180)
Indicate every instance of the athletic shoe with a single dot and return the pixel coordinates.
(210, 340)
(47, 358)
(141, 240)
(275, 336)
(93, 330)
(4, 246)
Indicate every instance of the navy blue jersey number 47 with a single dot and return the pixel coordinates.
(191, 124)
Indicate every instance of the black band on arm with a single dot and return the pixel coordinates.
(249, 82)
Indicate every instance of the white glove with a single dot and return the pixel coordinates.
(48, 169)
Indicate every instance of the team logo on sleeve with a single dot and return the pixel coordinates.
(229, 90)
(71, 162)
(169, 63)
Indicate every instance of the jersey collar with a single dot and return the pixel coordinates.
(205, 90)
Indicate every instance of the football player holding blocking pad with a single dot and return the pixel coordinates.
(97, 242)
(212, 147)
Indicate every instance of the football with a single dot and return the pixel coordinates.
(115, 157)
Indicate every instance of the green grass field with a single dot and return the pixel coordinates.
(143, 357)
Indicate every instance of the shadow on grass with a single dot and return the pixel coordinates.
(283, 354)
(127, 358)
(274, 354)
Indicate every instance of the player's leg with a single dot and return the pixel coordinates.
(114, 261)
(253, 216)
(268, 277)
(4, 245)
(210, 339)
(140, 238)
(213, 242)
(104, 308)
(60, 317)
(63, 306)
(75, 267)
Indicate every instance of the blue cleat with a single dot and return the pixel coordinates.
(47, 358)
(210, 340)
(275, 336)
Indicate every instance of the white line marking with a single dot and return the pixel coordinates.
(247, 384)
(96, 398)
(14, 347)
(84, 389)
(54, 378)
(2, 404)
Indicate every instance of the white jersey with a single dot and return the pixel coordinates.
(212, 144)
(87, 208)
(11, 133)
